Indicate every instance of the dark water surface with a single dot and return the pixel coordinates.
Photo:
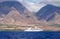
(29, 35)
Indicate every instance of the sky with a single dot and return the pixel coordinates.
(35, 5)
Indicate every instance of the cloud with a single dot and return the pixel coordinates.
(32, 6)
(34, 1)
(53, 2)
(35, 5)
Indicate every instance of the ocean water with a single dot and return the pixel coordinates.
(29, 35)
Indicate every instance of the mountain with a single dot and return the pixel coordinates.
(12, 16)
(13, 12)
(16, 13)
(48, 12)
(6, 5)
(57, 19)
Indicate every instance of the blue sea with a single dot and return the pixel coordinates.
(29, 35)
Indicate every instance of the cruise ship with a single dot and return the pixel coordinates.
(33, 29)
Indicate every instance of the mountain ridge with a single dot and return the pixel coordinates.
(48, 10)
(47, 13)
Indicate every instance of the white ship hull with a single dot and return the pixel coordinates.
(33, 30)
